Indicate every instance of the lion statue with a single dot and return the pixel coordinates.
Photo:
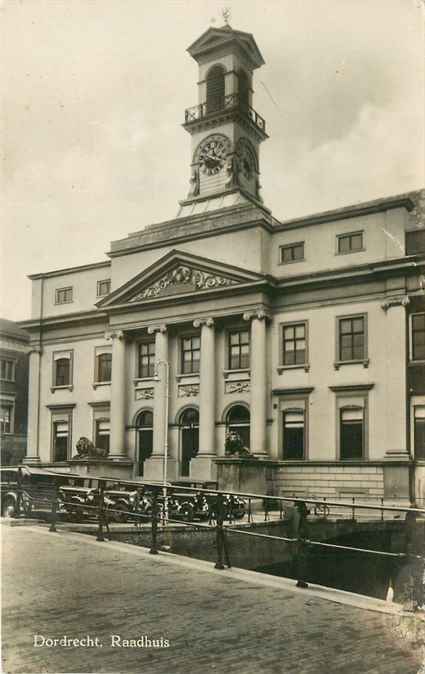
(85, 449)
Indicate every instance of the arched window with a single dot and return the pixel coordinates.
(189, 438)
(144, 431)
(215, 89)
(244, 88)
(238, 421)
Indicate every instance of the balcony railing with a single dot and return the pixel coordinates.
(222, 104)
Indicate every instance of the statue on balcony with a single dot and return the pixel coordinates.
(232, 171)
(86, 449)
(194, 182)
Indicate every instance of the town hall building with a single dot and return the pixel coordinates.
(299, 336)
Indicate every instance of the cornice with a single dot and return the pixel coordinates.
(64, 319)
(190, 297)
(367, 208)
(348, 388)
(213, 223)
(411, 263)
(70, 270)
(301, 390)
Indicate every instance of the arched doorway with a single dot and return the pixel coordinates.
(215, 89)
(144, 435)
(189, 438)
(238, 420)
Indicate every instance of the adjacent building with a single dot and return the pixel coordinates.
(14, 347)
(305, 337)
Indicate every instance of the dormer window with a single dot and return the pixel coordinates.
(215, 89)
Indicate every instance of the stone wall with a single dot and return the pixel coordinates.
(365, 482)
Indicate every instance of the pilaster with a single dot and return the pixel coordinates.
(33, 448)
(118, 395)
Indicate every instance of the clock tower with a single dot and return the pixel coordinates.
(225, 129)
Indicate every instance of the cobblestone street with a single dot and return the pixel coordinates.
(68, 584)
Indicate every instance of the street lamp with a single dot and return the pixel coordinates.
(166, 366)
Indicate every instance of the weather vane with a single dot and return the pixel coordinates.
(226, 15)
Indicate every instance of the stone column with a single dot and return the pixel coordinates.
(202, 465)
(258, 382)
(32, 455)
(118, 396)
(161, 366)
(397, 458)
(154, 467)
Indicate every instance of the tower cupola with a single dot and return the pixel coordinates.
(225, 128)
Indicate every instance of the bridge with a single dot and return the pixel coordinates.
(75, 604)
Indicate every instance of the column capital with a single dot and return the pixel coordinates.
(198, 322)
(35, 349)
(395, 301)
(152, 329)
(114, 334)
(259, 313)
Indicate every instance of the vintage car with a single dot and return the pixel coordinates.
(28, 490)
(77, 502)
(9, 479)
(234, 507)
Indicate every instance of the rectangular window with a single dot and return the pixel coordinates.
(191, 354)
(60, 440)
(419, 432)
(62, 369)
(63, 295)
(294, 344)
(418, 336)
(103, 287)
(351, 433)
(103, 367)
(293, 252)
(293, 434)
(7, 369)
(415, 242)
(5, 418)
(350, 243)
(146, 360)
(238, 350)
(352, 338)
(103, 430)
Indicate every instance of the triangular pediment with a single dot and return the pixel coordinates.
(178, 274)
(216, 38)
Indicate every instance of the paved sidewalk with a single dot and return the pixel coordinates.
(229, 622)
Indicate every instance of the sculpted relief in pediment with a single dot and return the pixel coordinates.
(183, 279)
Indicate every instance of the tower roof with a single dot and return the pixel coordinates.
(216, 38)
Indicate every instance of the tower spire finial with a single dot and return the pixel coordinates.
(226, 15)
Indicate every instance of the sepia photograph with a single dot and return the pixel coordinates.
(212, 337)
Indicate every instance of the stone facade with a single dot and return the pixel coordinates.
(293, 334)
(14, 348)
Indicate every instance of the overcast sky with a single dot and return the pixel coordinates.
(94, 98)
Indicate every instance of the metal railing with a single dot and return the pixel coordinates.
(223, 104)
(220, 511)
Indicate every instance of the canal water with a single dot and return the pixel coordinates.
(363, 573)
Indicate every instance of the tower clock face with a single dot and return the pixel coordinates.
(213, 153)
